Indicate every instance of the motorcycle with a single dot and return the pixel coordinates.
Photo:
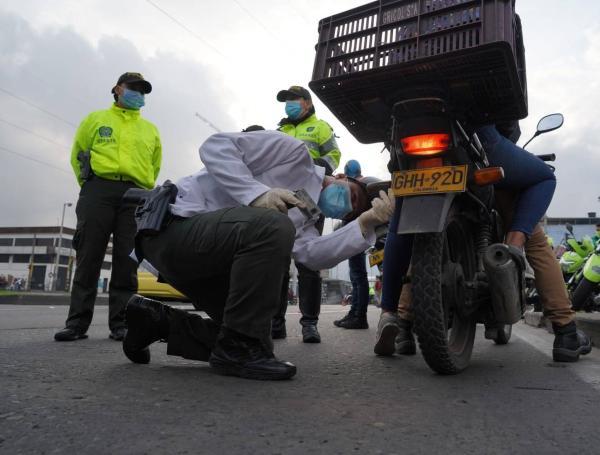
(573, 259)
(462, 273)
(586, 294)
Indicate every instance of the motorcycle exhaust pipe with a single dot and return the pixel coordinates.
(505, 283)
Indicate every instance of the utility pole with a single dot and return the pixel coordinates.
(209, 123)
(59, 246)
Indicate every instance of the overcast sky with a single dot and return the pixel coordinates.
(227, 60)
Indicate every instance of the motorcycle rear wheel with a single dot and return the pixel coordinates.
(583, 292)
(445, 336)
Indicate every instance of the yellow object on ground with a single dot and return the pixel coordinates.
(148, 286)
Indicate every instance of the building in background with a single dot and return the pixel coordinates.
(556, 227)
(28, 258)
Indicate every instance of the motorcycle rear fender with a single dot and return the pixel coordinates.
(423, 214)
(591, 271)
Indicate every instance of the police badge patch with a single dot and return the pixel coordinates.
(105, 131)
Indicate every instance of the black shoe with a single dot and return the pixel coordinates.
(345, 318)
(118, 334)
(147, 322)
(355, 322)
(278, 330)
(570, 343)
(405, 341)
(310, 334)
(70, 334)
(238, 355)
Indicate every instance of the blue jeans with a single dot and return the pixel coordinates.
(360, 284)
(523, 171)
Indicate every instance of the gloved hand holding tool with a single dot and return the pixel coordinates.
(380, 212)
(277, 199)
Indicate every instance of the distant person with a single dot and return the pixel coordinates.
(302, 123)
(596, 236)
(114, 149)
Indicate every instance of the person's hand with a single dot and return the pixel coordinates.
(277, 199)
(380, 212)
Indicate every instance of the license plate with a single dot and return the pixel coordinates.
(376, 258)
(445, 179)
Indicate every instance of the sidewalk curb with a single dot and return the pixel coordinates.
(588, 322)
(44, 299)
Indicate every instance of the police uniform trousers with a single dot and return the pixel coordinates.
(230, 263)
(100, 214)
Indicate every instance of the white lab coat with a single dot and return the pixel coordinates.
(242, 166)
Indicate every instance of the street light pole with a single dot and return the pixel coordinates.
(60, 232)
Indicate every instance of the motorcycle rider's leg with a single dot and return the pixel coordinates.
(569, 342)
(405, 341)
(525, 173)
(396, 260)
(360, 294)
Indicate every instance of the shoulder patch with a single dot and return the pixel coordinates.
(105, 131)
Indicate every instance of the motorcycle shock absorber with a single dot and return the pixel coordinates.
(483, 241)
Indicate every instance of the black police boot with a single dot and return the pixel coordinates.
(310, 334)
(405, 341)
(118, 334)
(345, 318)
(70, 334)
(278, 330)
(355, 322)
(569, 343)
(239, 355)
(147, 322)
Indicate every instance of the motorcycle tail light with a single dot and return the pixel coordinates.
(426, 144)
(488, 176)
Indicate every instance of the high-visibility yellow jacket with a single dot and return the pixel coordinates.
(123, 146)
(318, 137)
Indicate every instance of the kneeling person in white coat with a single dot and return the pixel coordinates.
(229, 244)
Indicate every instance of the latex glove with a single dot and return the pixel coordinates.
(380, 212)
(277, 199)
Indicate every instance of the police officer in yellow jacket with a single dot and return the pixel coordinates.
(114, 150)
(302, 123)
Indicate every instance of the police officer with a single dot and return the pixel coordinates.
(302, 123)
(114, 150)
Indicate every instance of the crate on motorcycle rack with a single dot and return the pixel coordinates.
(468, 51)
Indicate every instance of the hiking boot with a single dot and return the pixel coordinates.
(354, 322)
(569, 343)
(387, 330)
(405, 340)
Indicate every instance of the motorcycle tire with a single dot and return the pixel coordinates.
(445, 337)
(583, 292)
(504, 334)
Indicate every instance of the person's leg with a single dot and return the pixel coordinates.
(360, 294)
(278, 330)
(396, 261)
(525, 173)
(123, 278)
(95, 219)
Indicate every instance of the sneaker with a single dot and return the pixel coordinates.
(570, 343)
(354, 322)
(405, 340)
(387, 330)
(345, 318)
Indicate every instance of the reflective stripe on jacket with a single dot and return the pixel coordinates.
(318, 137)
(123, 145)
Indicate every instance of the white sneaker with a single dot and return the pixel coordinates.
(387, 329)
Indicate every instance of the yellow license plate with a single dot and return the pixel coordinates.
(376, 258)
(445, 179)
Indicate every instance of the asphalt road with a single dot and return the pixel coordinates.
(85, 397)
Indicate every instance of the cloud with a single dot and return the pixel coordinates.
(57, 69)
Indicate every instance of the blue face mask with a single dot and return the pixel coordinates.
(293, 109)
(131, 99)
(335, 201)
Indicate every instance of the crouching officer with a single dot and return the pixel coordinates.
(114, 150)
(228, 246)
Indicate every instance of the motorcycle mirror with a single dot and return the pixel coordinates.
(550, 123)
(546, 124)
(569, 228)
